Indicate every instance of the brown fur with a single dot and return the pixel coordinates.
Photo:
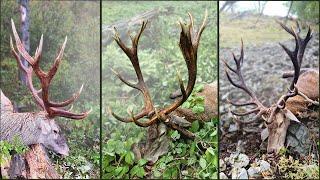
(210, 94)
(308, 84)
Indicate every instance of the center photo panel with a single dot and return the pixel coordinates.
(159, 90)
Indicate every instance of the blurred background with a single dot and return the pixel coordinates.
(264, 62)
(80, 21)
(160, 58)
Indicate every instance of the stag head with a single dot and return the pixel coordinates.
(189, 42)
(277, 116)
(49, 131)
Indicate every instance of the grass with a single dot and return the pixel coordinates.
(265, 31)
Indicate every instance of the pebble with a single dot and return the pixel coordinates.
(239, 173)
(264, 165)
(222, 176)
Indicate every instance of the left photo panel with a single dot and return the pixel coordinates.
(50, 89)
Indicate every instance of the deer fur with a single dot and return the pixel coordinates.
(210, 94)
(31, 128)
(308, 84)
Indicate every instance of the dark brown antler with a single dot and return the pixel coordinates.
(260, 109)
(296, 57)
(52, 108)
(189, 42)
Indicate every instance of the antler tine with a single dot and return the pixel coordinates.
(242, 85)
(189, 47)
(296, 57)
(54, 68)
(132, 54)
(28, 71)
(68, 114)
(52, 108)
(38, 53)
(68, 101)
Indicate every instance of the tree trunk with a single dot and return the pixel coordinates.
(34, 164)
(24, 29)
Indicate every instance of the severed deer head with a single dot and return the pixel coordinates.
(189, 42)
(37, 127)
(302, 91)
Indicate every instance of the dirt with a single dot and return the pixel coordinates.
(262, 69)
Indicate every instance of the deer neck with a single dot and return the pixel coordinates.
(23, 127)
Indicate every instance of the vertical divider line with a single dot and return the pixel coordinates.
(100, 160)
(218, 93)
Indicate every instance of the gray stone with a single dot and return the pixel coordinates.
(222, 176)
(253, 172)
(264, 165)
(239, 173)
(233, 128)
(298, 137)
(222, 165)
(241, 161)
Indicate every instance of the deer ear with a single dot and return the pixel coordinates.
(290, 115)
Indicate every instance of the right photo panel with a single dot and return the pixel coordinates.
(269, 89)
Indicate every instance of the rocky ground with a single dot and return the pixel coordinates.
(242, 152)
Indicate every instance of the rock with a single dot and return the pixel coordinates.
(233, 128)
(222, 165)
(239, 161)
(239, 173)
(264, 165)
(222, 176)
(254, 172)
(298, 138)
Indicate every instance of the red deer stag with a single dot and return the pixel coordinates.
(189, 42)
(302, 92)
(37, 127)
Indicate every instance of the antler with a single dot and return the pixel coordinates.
(52, 108)
(260, 108)
(296, 57)
(189, 42)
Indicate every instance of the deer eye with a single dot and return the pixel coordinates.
(55, 131)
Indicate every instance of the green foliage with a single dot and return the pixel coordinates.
(7, 148)
(118, 159)
(306, 10)
(290, 168)
(191, 159)
(194, 102)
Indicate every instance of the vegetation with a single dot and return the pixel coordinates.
(160, 58)
(306, 10)
(255, 30)
(80, 22)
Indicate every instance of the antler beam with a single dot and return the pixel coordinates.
(189, 42)
(52, 108)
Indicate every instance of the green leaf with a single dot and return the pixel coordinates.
(142, 162)
(175, 135)
(129, 158)
(157, 173)
(198, 109)
(214, 133)
(194, 126)
(199, 88)
(203, 163)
